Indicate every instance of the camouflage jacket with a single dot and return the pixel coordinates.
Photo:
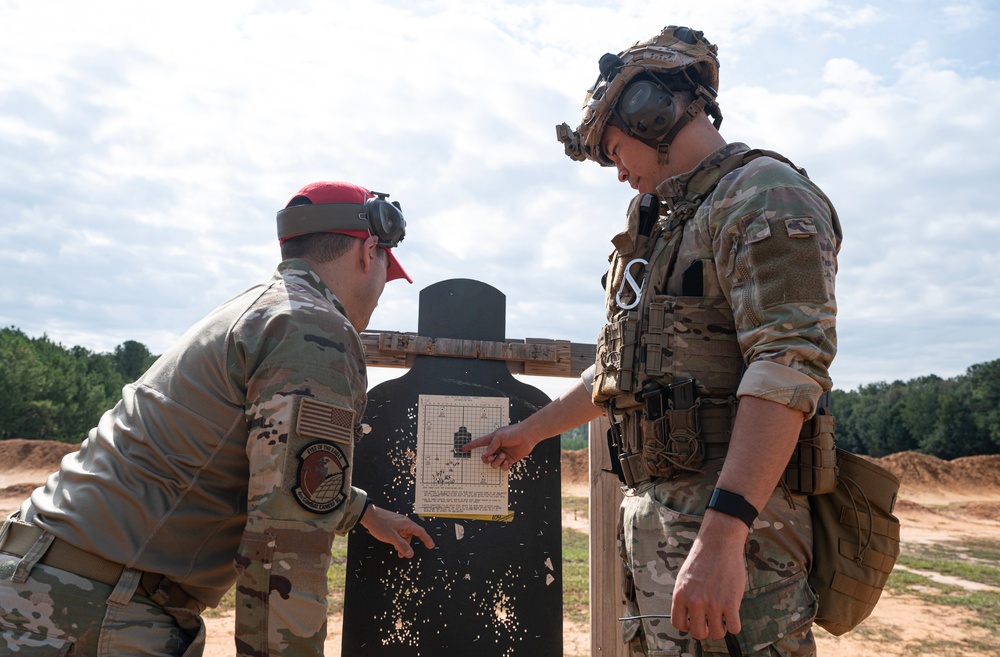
(760, 246)
(228, 462)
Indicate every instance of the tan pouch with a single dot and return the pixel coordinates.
(812, 469)
(616, 358)
(855, 542)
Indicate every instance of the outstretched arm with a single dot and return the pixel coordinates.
(508, 445)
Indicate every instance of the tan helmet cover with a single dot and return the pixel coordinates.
(668, 53)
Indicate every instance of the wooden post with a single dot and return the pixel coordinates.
(606, 600)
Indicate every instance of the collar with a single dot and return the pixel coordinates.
(297, 271)
(704, 177)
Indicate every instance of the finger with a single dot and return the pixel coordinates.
(398, 536)
(698, 627)
(495, 444)
(402, 545)
(716, 626)
(731, 620)
(495, 460)
(422, 534)
(679, 617)
(478, 442)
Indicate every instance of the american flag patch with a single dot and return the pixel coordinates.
(322, 420)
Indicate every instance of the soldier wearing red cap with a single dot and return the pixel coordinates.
(228, 463)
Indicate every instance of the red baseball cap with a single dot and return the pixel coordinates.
(321, 193)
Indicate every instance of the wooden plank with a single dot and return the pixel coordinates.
(375, 357)
(532, 356)
(607, 603)
(558, 365)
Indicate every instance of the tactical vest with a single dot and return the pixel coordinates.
(668, 367)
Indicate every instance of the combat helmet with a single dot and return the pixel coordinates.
(634, 92)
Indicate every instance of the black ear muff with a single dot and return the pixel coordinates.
(647, 109)
(377, 216)
(386, 220)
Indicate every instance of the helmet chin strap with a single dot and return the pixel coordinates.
(697, 106)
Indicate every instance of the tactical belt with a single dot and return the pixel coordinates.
(709, 421)
(700, 429)
(160, 589)
(716, 443)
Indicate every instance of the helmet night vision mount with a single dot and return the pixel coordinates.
(377, 216)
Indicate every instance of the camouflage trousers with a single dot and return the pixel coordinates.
(657, 528)
(54, 612)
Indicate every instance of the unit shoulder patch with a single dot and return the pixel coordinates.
(317, 419)
(800, 227)
(321, 479)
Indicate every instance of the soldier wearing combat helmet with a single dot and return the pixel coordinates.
(714, 360)
(678, 59)
(226, 465)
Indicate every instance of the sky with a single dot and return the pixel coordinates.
(145, 148)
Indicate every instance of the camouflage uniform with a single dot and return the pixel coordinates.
(228, 462)
(765, 239)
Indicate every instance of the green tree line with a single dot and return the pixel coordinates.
(50, 392)
(946, 418)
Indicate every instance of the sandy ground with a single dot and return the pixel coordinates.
(940, 502)
(898, 624)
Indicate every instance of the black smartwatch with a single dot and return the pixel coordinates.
(732, 504)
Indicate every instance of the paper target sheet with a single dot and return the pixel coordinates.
(450, 482)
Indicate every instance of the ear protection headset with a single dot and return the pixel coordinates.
(646, 107)
(376, 216)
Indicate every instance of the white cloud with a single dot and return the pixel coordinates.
(144, 155)
(849, 75)
(966, 15)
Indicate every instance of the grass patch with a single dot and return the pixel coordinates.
(966, 562)
(576, 576)
(959, 648)
(976, 561)
(336, 576)
(972, 572)
(576, 505)
(877, 634)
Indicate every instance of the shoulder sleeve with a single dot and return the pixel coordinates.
(776, 243)
(306, 392)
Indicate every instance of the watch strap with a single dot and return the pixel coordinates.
(732, 504)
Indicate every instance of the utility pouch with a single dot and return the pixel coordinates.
(615, 375)
(671, 432)
(692, 337)
(855, 542)
(812, 469)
